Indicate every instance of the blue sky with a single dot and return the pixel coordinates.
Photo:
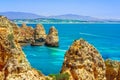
(95, 8)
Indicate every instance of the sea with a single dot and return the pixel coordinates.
(49, 60)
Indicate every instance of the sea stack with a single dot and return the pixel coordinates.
(26, 34)
(52, 38)
(39, 35)
(83, 62)
(13, 62)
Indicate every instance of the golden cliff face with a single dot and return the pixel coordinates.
(83, 62)
(13, 62)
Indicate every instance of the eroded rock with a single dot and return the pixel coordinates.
(39, 32)
(39, 35)
(52, 38)
(25, 34)
(83, 62)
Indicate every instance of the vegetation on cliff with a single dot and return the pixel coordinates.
(64, 76)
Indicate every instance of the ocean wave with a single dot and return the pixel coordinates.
(56, 49)
(33, 55)
(101, 36)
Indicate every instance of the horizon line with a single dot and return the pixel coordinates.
(59, 14)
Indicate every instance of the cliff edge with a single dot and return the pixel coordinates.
(13, 62)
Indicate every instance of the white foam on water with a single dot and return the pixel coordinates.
(32, 55)
(56, 49)
(95, 35)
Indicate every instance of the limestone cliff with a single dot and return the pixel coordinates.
(52, 38)
(13, 62)
(112, 70)
(39, 35)
(25, 34)
(83, 62)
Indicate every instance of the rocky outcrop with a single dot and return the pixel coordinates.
(36, 37)
(39, 35)
(13, 62)
(13, 27)
(39, 32)
(52, 38)
(112, 70)
(25, 34)
(83, 62)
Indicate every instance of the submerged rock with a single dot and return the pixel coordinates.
(52, 38)
(13, 62)
(39, 35)
(83, 62)
(112, 70)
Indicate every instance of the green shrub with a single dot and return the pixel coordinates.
(11, 38)
(63, 76)
(47, 79)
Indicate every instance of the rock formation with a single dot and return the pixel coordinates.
(52, 38)
(39, 35)
(39, 32)
(26, 34)
(13, 62)
(83, 62)
(112, 70)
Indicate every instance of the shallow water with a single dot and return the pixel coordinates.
(105, 37)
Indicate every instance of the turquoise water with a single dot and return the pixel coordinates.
(105, 37)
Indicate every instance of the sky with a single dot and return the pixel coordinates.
(96, 8)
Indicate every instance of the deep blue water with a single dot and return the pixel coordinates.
(105, 37)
